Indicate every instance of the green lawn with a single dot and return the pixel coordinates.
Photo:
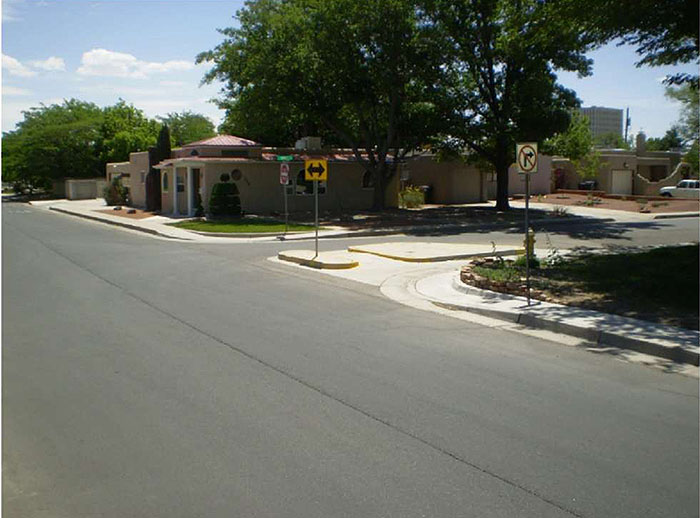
(241, 225)
(660, 285)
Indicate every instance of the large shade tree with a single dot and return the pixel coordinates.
(52, 142)
(359, 74)
(500, 61)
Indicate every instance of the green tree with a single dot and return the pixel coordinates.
(357, 74)
(574, 143)
(664, 33)
(689, 124)
(611, 141)
(125, 129)
(499, 72)
(671, 140)
(188, 127)
(52, 142)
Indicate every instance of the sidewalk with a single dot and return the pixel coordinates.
(434, 282)
(592, 212)
(158, 226)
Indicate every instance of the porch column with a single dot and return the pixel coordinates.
(176, 212)
(190, 192)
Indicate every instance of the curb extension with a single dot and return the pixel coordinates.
(450, 227)
(603, 338)
(677, 215)
(117, 224)
(318, 264)
(438, 259)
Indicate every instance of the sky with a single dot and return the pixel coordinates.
(143, 51)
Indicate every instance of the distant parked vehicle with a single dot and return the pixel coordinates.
(684, 189)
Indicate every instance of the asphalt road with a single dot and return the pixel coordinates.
(143, 377)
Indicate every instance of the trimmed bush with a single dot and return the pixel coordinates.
(411, 197)
(115, 193)
(225, 201)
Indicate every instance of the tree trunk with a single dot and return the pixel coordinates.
(502, 178)
(379, 189)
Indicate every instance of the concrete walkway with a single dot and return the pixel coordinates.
(435, 280)
(159, 226)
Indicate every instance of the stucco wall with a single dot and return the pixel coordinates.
(136, 168)
(84, 188)
(540, 182)
(451, 181)
(261, 191)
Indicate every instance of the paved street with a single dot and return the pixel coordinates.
(143, 377)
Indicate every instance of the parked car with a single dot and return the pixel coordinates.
(684, 189)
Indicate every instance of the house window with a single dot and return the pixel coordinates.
(367, 180)
(143, 177)
(305, 187)
(180, 183)
(165, 182)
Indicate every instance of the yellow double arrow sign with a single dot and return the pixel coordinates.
(316, 170)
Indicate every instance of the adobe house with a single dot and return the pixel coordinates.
(195, 168)
(627, 172)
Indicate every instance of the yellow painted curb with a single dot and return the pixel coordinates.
(318, 263)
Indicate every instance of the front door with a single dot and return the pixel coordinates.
(195, 189)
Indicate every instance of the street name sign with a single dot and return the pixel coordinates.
(316, 170)
(285, 158)
(526, 157)
(284, 173)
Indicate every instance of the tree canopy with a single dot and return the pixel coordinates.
(574, 143)
(664, 33)
(358, 74)
(188, 127)
(56, 141)
(73, 139)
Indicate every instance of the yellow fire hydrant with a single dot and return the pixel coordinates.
(529, 242)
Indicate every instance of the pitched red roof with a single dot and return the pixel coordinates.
(223, 140)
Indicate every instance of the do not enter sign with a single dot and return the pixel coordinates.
(526, 157)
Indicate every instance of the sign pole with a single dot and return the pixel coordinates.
(286, 212)
(527, 236)
(316, 198)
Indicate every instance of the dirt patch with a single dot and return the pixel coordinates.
(139, 214)
(638, 204)
(630, 283)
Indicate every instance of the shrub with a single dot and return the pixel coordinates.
(411, 197)
(225, 200)
(115, 193)
(522, 261)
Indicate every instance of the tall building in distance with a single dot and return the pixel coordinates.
(604, 120)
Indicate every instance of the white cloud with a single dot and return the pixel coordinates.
(14, 91)
(15, 68)
(102, 62)
(52, 63)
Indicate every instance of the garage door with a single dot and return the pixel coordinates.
(621, 181)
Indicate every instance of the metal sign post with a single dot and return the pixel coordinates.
(316, 171)
(527, 236)
(526, 159)
(316, 204)
(284, 181)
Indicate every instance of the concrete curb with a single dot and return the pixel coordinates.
(604, 338)
(293, 256)
(455, 257)
(116, 223)
(450, 227)
(676, 215)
